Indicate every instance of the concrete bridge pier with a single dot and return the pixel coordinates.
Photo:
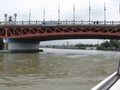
(22, 45)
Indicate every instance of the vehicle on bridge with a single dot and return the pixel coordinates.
(49, 23)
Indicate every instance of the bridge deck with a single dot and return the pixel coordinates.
(55, 23)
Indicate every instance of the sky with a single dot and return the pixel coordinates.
(22, 7)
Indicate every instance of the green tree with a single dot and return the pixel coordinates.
(1, 44)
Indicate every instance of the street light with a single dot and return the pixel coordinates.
(59, 14)
(89, 13)
(119, 11)
(104, 13)
(73, 13)
(44, 15)
(15, 17)
(29, 15)
(5, 18)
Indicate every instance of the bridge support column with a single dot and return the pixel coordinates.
(21, 45)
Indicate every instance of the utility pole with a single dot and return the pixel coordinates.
(89, 13)
(104, 13)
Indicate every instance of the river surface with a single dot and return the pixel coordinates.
(56, 69)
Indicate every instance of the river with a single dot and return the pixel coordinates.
(56, 69)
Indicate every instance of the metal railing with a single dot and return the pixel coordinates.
(56, 23)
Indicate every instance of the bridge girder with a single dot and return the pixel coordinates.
(45, 33)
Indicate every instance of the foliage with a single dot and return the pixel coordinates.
(112, 44)
(1, 44)
(83, 46)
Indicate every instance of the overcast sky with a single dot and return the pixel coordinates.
(21, 7)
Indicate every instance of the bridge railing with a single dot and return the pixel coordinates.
(56, 23)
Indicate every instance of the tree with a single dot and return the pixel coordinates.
(1, 44)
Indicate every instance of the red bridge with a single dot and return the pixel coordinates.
(24, 35)
(53, 30)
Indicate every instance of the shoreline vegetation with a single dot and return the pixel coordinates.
(1, 44)
(107, 45)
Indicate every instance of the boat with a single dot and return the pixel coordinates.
(112, 82)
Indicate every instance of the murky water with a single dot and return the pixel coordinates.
(56, 69)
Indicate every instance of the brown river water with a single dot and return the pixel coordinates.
(56, 69)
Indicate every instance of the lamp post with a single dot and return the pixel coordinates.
(59, 14)
(44, 16)
(73, 13)
(5, 18)
(104, 13)
(89, 13)
(119, 12)
(15, 18)
(29, 15)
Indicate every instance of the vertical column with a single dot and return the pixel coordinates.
(104, 13)
(5, 47)
(89, 13)
(21, 45)
(29, 15)
(58, 14)
(44, 16)
(73, 14)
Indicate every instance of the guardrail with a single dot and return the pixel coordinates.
(55, 23)
(107, 83)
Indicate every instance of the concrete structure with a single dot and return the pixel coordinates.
(22, 45)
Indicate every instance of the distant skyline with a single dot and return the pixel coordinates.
(22, 7)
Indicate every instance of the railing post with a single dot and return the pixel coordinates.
(36, 21)
(66, 22)
(112, 22)
(104, 22)
(22, 22)
(29, 22)
(81, 21)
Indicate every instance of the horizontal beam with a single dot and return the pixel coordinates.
(55, 32)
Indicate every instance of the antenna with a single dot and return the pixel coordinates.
(104, 13)
(89, 13)
(58, 14)
(73, 13)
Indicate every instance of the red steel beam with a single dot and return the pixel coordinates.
(57, 32)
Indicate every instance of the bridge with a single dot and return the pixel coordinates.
(26, 35)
